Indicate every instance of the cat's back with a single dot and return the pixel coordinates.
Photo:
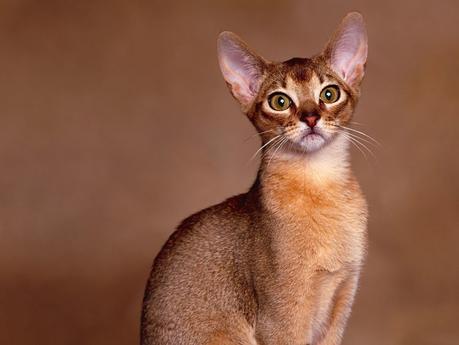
(201, 269)
(207, 234)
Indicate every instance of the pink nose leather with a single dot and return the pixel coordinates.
(311, 120)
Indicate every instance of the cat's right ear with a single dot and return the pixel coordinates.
(241, 68)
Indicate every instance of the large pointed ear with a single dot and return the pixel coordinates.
(346, 53)
(241, 68)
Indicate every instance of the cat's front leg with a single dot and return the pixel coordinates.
(280, 333)
(340, 311)
(285, 319)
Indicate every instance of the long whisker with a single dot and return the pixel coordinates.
(257, 134)
(284, 140)
(270, 148)
(273, 145)
(361, 133)
(263, 146)
(357, 140)
(361, 139)
(267, 151)
(355, 143)
(357, 123)
(352, 140)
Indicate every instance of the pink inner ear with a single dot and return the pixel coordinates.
(240, 76)
(349, 51)
(240, 68)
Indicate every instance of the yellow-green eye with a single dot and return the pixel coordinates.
(279, 101)
(330, 94)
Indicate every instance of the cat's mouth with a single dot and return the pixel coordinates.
(312, 134)
(312, 140)
(308, 139)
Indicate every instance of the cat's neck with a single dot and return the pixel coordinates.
(286, 178)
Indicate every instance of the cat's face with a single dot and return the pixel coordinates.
(302, 103)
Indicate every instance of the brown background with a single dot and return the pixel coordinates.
(116, 124)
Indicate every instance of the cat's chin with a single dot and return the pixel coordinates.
(312, 142)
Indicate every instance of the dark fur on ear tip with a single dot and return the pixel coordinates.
(224, 37)
(355, 15)
(228, 39)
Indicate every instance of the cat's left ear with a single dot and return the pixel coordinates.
(346, 53)
(241, 68)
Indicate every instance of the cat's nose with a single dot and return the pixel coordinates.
(310, 119)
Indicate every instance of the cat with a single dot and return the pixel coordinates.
(279, 264)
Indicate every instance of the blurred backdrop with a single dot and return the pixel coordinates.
(115, 124)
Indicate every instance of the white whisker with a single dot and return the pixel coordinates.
(263, 146)
(361, 133)
(357, 123)
(357, 140)
(355, 143)
(257, 134)
(282, 142)
(360, 138)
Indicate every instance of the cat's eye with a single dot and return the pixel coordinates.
(330, 94)
(279, 101)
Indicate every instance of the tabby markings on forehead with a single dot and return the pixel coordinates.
(305, 90)
(299, 68)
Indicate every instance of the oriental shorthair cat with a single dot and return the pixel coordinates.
(279, 264)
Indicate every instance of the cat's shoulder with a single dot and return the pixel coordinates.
(210, 232)
(216, 221)
(222, 213)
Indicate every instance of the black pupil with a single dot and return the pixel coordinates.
(328, 94)
(281, 101)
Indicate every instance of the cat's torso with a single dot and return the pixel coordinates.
(259, 260)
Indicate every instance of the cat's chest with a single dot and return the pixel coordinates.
(333, 241)
(326, 231)
(328, 240)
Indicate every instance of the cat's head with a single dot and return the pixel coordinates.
(302, 101)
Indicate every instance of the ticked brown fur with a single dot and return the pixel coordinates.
(280, 263)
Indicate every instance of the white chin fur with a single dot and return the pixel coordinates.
(312, 142)
(325, 159)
